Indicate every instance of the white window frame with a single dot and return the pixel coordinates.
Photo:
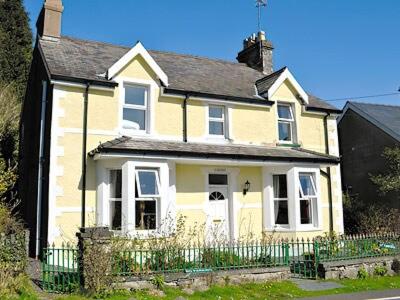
(144, 107)
(141, 197)
(311, 198)
(291, 122)
(137, 177)
(292, 172)
(222, 120)
(283, 226)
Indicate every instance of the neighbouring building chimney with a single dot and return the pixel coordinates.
(257, 53)
(49, 22)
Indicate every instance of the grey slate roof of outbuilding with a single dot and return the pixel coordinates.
(195, 150)
(385, 117)
(89, 60)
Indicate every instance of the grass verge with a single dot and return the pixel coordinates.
(267, 290)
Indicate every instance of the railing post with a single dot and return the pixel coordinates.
(316, 256)
(285, 246)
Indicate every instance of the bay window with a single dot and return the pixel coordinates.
(286, 123)
(281, 211)
(135, 106)
(308, 198)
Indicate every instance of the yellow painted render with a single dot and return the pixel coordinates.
(196, 119)
(254, 176)
(137, 68)
(169, 117)
(249, 222)
(255, 125)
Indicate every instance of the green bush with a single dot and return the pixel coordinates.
(380, 271)
(362, 273)
(158, 281)
(218, 258)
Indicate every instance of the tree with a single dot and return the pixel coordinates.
(9, 124)
(15, 45)
(390, 181)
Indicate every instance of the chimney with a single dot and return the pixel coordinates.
(257, 53)
(49, 22)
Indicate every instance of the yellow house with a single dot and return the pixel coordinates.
(127, 138)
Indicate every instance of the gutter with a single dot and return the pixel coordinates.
(84, 150)
(327, 174)
(218, 97)
(40, 168)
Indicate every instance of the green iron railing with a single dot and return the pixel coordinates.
(302, 256)
(60, 269)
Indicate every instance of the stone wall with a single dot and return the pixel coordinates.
(350, 268)
(201, 281)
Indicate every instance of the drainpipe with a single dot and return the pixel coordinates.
(40, 169)
(327, 174)
(84, 150)
(185, 118)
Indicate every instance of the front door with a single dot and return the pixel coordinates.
(218, 203)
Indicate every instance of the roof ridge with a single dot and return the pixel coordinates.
(375, 104)
(158, 51)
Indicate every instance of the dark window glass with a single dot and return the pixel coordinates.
(280, 186)
(216, 128)
(305, 212)
(217, 179)
(148, 183)
(134, 119)
(281, 212)
(145, 215)
(284, 112)
(285, 131)
(215, 196)
(115, 212)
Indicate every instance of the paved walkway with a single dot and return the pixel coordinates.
(371, 295)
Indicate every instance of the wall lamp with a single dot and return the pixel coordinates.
(246, 187)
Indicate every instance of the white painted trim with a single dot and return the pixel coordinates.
(90, 131)
(151, 103)
(63, 83)
(72, 209)
(287, 75)
(138, 49)
(208, 161)
(54, 189)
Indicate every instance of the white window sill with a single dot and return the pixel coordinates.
(133, 132)
(294, 230)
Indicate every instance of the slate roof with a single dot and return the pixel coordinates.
(195, 150)
(385, 117)
(88, 60)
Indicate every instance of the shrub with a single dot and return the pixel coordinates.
(218, 258)
(396, 266)
(158, 281)
(380, 271)
(362, 273)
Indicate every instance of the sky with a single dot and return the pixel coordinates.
(335, 48)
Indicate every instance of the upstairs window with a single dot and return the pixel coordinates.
(285, 123)
(308, 199)
(281, 210)
(216, 120)
(135, 108)
(147, 197)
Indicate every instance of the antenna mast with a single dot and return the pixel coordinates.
(259, 4)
